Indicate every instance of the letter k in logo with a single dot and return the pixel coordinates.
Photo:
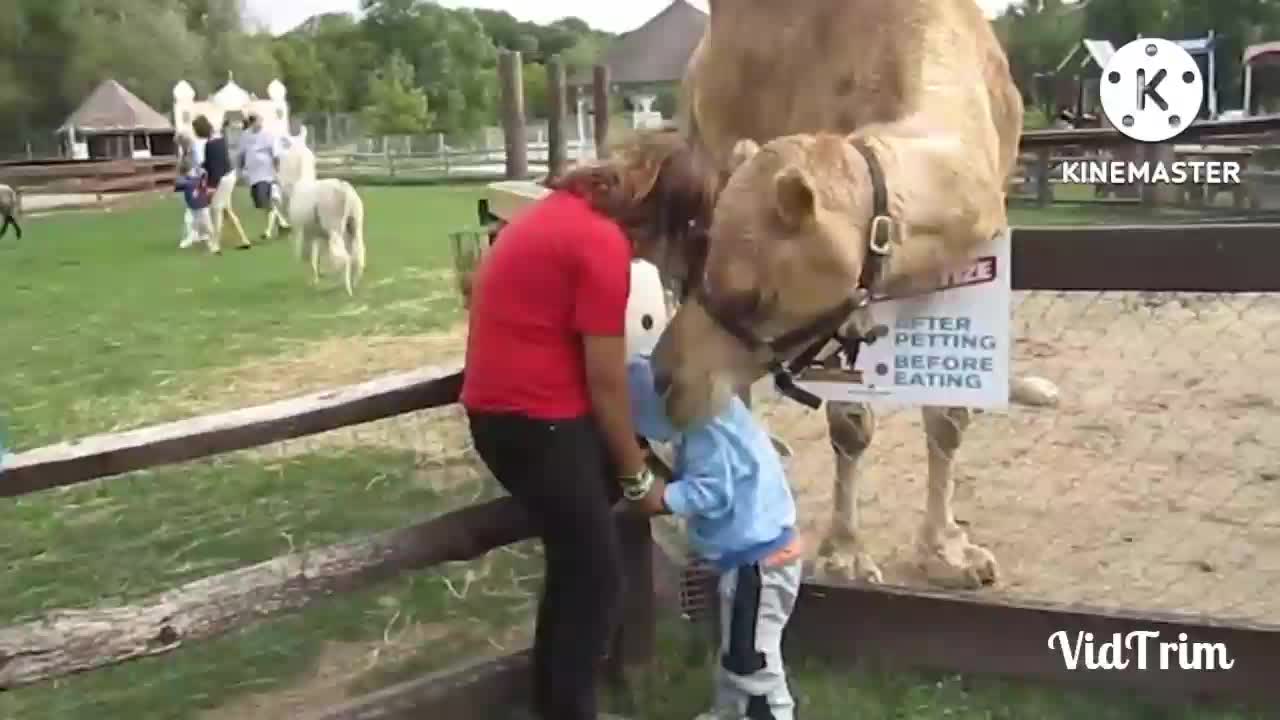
(1148, 89)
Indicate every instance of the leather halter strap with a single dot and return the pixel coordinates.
(817, 333)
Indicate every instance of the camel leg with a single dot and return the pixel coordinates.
(945, 553)
(850, 427)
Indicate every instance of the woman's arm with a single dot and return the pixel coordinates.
(606, 364)
(602, 283)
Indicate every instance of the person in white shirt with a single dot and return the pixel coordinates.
(257, 162)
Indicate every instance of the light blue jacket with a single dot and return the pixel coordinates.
(729, 482)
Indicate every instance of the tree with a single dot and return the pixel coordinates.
(312, 86)
(1037, 35)
(396, 105)
(534, 78)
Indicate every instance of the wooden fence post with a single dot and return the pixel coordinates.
(556, 118)
(600, 101)
(636, 641)
(514, 130)
(1154, 194)
(1044, 189)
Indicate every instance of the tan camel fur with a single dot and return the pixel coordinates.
(926, 86)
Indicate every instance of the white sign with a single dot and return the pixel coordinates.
(1151, 90)
(949, 348)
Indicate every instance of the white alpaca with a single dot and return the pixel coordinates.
(10, 210)
(325, 214)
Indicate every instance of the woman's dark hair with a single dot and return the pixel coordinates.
(654, 185)
(202, 127)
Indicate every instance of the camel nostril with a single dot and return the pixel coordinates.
(661, 383)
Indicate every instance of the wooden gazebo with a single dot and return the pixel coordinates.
(113, 123)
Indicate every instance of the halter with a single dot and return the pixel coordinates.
(816, 334)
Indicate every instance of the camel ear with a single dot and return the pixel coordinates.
(743, 151)
(794, 195)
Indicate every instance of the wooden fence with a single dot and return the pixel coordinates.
(840, 622)
(1043, 153)
(89, 177)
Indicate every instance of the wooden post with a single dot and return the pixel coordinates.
(513, 122)
(1153, 194)
(600, 100)
(1044, 189)
(635, 644)
(557, 118)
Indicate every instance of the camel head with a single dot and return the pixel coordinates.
(785, 253)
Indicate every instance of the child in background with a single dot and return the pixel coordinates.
(730, 486)
(196, 194)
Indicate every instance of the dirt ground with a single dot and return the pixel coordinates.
(1154, 485)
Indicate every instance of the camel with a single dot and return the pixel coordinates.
(327, 215)
(816, 112)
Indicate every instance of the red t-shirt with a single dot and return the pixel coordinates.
(558, 271)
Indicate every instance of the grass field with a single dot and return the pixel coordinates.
(108, 325)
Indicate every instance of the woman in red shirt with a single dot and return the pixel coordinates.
(546, 385)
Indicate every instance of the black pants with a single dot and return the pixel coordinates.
(261, 193)
(560, 472)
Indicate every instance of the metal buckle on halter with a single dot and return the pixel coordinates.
(881, 240)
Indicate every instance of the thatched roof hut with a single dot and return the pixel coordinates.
(114, 123)
(651, 56)
(658, 51)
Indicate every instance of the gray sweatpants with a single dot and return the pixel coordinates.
(755, 603)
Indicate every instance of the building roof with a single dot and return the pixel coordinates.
(1101, 51)
(111, 108)
(657, 51)
(231, 96)
(1268, 52)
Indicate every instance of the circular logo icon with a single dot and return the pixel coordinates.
(1151, 90)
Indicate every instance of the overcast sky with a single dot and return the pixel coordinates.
(611, 15)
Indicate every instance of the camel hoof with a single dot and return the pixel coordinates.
(1034, 392)
(852, 566)
(955, 563)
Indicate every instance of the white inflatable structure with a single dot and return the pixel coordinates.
(231, 98)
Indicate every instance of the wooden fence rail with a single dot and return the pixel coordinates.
(106, 176)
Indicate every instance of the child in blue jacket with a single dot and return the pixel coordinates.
(730, 486)
(196, 195)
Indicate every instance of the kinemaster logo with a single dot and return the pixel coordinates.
(1151, 91)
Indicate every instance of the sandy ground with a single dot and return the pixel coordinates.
(1155, 485)
(41, 204)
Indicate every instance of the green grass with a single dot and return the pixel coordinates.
(1075, 205)
(107, 324)
(126, 538)
(102, 311)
